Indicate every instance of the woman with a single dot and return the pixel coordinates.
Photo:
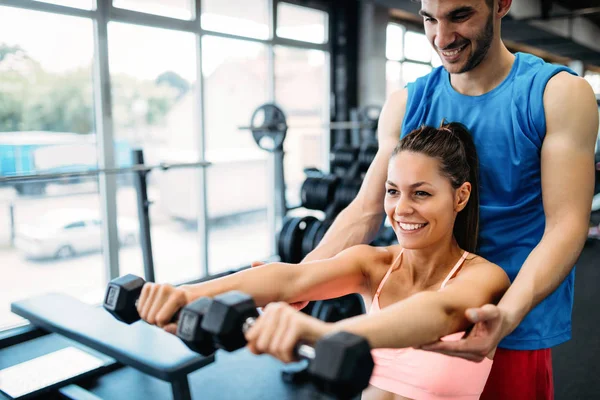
(420, 289)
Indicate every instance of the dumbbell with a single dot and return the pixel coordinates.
(123, 293)
(339, 364)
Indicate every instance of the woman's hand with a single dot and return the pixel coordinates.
(159, 302)
(280, 328)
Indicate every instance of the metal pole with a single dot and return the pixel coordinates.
(141, 189)
(180, 388)
(279, 185)
(11, 209)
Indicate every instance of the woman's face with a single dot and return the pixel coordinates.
(420, 202)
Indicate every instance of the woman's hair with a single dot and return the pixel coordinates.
(453, 146)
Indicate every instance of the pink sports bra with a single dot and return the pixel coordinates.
(423, 375)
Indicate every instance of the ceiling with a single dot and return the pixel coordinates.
(583, 4)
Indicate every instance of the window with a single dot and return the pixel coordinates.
(417, 47)
(394, 45)
(153, 75)
(181, 9)
(409, 56)
(594, 79)
(248, 18)
(83, 4)
(46, 112)
(52, 231)
(300, 75)
(235, 76)
(301, 23)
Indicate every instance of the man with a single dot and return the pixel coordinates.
(535, 126)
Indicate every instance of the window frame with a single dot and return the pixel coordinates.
(106, 12)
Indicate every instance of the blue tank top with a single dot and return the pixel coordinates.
(508, 126)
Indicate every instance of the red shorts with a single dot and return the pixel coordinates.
(520, 375)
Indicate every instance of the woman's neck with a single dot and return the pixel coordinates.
(426, 267)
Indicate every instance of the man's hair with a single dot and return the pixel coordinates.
(490, 3)
(453, 146)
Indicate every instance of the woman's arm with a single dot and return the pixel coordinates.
(418, 320)
(427, 316)
(316, 280)
(323, 279)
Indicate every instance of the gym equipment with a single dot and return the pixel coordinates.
(121, 299)
(140, 346)
(343, 156)
(368, 117)
(269, 129)
(334, 360)
(340, 308)
(188, 327)
(317, 193)
(122, 295)
(290, 238)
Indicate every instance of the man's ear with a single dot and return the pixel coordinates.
(502, 7)
(463, 193)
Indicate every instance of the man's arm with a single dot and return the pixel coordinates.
(567, 164)
(567, 159)
(360, 221)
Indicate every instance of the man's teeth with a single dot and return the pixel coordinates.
(452, 52)
(411, 227)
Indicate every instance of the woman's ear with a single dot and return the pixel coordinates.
(462, 196)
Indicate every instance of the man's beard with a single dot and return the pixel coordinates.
(483, 43)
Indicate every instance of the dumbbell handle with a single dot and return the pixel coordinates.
(302, 350)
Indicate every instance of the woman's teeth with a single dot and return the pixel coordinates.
(411, 227)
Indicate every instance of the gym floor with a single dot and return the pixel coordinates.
(576, 368)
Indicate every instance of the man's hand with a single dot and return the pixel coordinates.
(298, 306)
(492, 324)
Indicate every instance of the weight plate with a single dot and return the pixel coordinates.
(269, 127)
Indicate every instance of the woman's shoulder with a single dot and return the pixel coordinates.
(477, 262)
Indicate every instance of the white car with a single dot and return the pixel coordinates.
(65, 233)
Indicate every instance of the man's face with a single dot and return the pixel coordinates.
(460, 31)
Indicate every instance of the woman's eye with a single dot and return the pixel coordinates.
(391, 192)
(420, 193)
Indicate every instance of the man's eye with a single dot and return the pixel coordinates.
(460, 17)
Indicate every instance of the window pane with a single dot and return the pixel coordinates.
(417, 47)
(301, 23)
(239, 17)
(594, 80)
(153, 76)
(82, 4)
(235, 84)
(46, 120)
(394, 48)
(393, 73)
(182, 9)
(412, 71)
(301, 89)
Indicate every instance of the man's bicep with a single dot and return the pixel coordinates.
(372, 190)
(567, 157)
